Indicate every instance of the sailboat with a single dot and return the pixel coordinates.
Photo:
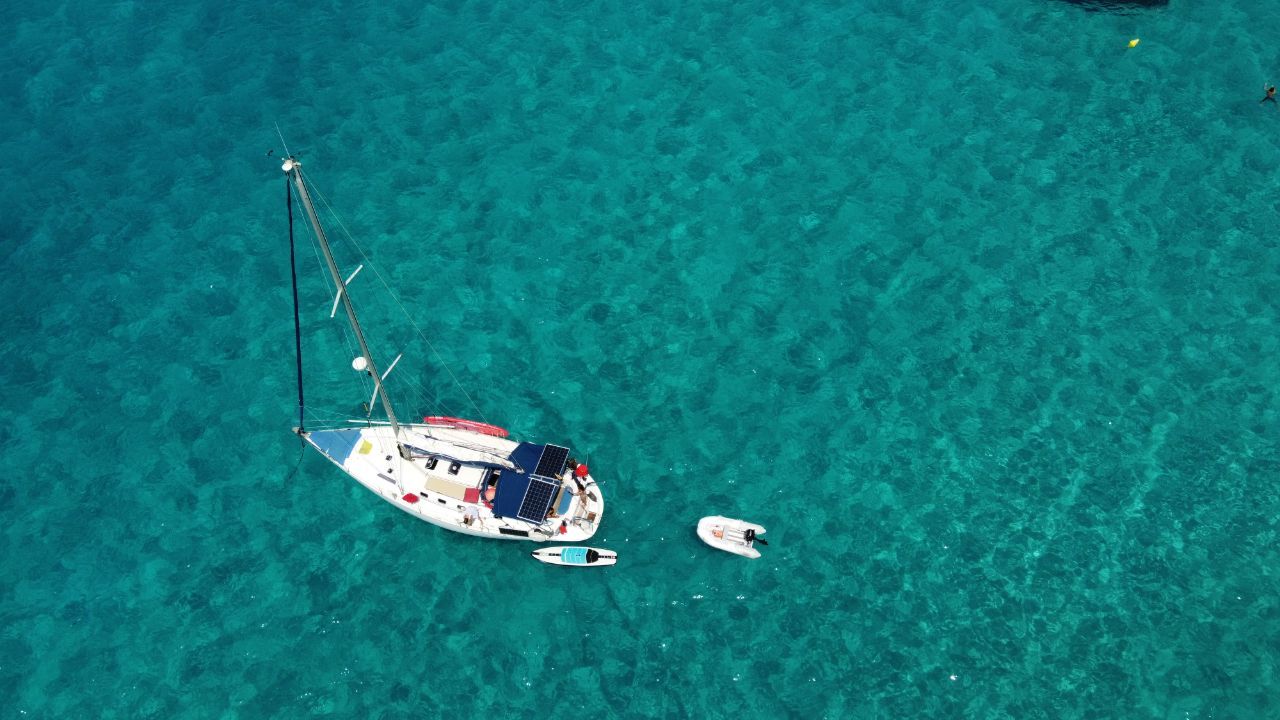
(462, 475)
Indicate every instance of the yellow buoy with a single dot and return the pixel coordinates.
(1134, 42)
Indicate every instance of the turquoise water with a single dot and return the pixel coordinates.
(970, 304)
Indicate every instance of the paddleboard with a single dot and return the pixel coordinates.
(576, 556)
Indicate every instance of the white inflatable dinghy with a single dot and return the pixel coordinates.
(576, 556)
(736, 536)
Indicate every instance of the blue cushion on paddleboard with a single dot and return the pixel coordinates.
(574, 556)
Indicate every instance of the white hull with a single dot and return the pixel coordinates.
(369, 454)
(556, 555)
(728, 534)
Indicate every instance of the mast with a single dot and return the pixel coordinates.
(293, 169)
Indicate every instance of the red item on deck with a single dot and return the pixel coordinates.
(461, 424)
(580, 471)
(471, 495)
(410, 498)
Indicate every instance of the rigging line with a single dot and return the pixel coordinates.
(331, 421)
(424, 397)
(283, 144)
(301, 453)
(312, 412)
(297, 321)
(396, 299)
(334, 415)
(345, 331)
(327, 423)
(404, 311)
(294, 171)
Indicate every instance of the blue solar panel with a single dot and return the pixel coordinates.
(537, 500)
(551, 464)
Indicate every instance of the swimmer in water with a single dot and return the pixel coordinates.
(1271, 95)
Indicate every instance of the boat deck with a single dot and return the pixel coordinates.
(453, 478)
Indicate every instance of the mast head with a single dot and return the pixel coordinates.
(290, 164)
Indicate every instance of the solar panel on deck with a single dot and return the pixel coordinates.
(551, 464)
(537, 500)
